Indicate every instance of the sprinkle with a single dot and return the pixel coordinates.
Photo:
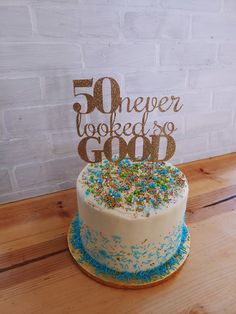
(128, 184)
(130, 198)
(152, 185)
(153, 200)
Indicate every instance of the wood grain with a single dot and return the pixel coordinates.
(38, 274)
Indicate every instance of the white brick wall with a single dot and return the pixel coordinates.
(119, 55)
(221, 27)
(15, 21)
(152, 48)
(153, 25)
(187, 54)
(150, 82)
(19, 91)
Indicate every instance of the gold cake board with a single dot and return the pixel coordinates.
(111, 281)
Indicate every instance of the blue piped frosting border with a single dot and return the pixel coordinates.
(147, 276)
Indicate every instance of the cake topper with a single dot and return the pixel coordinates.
(151, 138)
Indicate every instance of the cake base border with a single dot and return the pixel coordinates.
(109, 280)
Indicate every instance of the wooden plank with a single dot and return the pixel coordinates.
(210, 211)
(35, 227)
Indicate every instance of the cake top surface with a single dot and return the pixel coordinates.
(139, 188)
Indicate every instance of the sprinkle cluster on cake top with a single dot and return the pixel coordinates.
(142, 187)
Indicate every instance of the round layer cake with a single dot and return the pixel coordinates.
(131, 213)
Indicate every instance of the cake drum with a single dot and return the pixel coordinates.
(111, 281)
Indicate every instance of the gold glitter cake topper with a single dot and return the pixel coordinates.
(114, 131)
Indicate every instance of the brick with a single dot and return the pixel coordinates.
(59, 88)
(203, 123)
(5, 183)
(145, 3)
(230, 6)
(223, 138)
(144, 82)
(217, 77)
(187, 54)
(191, 145)
(214, 27)
(32, 56)
(17, 151)
(195, 102)
(2, 125)
(193, 5)
(22, 121)
(227, 53)
(15, 22)
(224, 100)
(104, 2)
(65, 143)
(23, 90)
(147, 25)
(117, 55)
(57, 22)
(99, 23)
(57, 1)
(71, 23)
(49, 171)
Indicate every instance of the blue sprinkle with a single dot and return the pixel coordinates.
(153, 201)
(99, 180)
(117, 195)
(103, 253)
(152, 185)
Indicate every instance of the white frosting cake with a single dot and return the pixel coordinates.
(131, 213)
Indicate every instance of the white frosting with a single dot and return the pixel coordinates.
(157, 236)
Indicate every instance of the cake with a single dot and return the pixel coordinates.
(131, 215)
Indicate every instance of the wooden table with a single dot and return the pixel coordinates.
(38, 275)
